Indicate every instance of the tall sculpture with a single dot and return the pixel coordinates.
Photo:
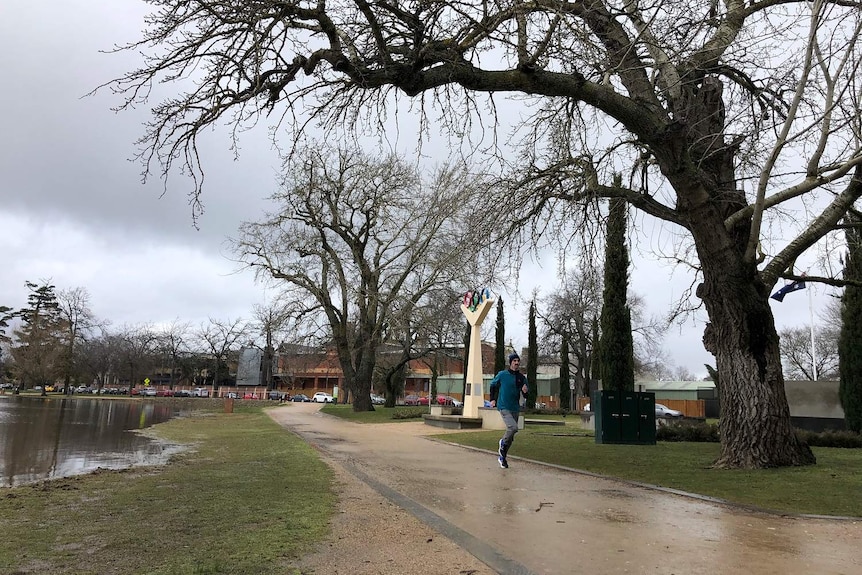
(475, 308)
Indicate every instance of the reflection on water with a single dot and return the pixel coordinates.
(49, 437)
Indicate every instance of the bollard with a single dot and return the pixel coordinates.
(228, 405)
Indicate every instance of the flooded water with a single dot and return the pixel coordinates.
(50, 437)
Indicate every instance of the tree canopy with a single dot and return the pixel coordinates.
(726, 117)
(363, 243)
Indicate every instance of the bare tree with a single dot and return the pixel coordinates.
(428, 329)
(574, 308)
(796, 352)
(78, 322)
(139, 343)
(173, 344)
(682, 373)
(104, 358)
(731, 122)
(355, 236)
(271, 320)
(220, 338)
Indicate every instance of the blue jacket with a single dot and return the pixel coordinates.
(506, 390)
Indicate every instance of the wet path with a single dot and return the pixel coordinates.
(537, 519)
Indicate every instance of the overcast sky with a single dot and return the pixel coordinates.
(73, 209)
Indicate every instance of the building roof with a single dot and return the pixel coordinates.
(674, 385)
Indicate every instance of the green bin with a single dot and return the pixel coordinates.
(624, 417)
(646, 417)
(629, 423)
(606, 406)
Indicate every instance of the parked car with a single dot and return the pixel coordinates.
(232, 395)
(377, 399)
(300, 397)
(165, 393)
(449, 400)
(276, 395)
(148, 392)
(321, 397)
(200, 392)
(182, 393)
(666, 412)
(411, 400)
(660, 411)
(249, 395)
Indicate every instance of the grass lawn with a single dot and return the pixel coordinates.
(247, 499)
(379, 415)
(832, 487)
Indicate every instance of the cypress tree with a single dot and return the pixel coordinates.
(532, 358)
(850, 339)
(565, 374)
(592, 371)
(500, 340)
(616, 366)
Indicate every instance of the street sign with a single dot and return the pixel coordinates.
(146, 381)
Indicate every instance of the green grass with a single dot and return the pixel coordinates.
(248, 499)
(831, 487)
(379, 415)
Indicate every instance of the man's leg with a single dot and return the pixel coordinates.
(511, 429)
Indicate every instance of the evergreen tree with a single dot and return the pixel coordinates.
(593, 372)
(6, 314)
(500, 340)
(38, 355)
(850, 340)
(565, 378)
(617, 347)
(532, 358)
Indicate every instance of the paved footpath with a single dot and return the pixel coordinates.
(537, 519)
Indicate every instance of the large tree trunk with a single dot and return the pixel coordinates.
(755, 423)
(361, 388)
(755, 426)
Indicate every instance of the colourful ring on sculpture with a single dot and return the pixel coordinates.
(468, 299)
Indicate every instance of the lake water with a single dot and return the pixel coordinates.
(51, 437)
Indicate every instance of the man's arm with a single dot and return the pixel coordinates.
(494, 389)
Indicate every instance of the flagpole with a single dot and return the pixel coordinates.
(811, 313)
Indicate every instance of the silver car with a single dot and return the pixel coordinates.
(666, 412)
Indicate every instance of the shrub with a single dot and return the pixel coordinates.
(699, 431)
(409, 413)
(684, 430)
(845, 439)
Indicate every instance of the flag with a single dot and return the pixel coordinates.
(795, 286)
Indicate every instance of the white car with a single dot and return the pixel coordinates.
(660, 411)
(664, 411)
(321, 397)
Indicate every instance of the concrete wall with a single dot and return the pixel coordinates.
(814, 399)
